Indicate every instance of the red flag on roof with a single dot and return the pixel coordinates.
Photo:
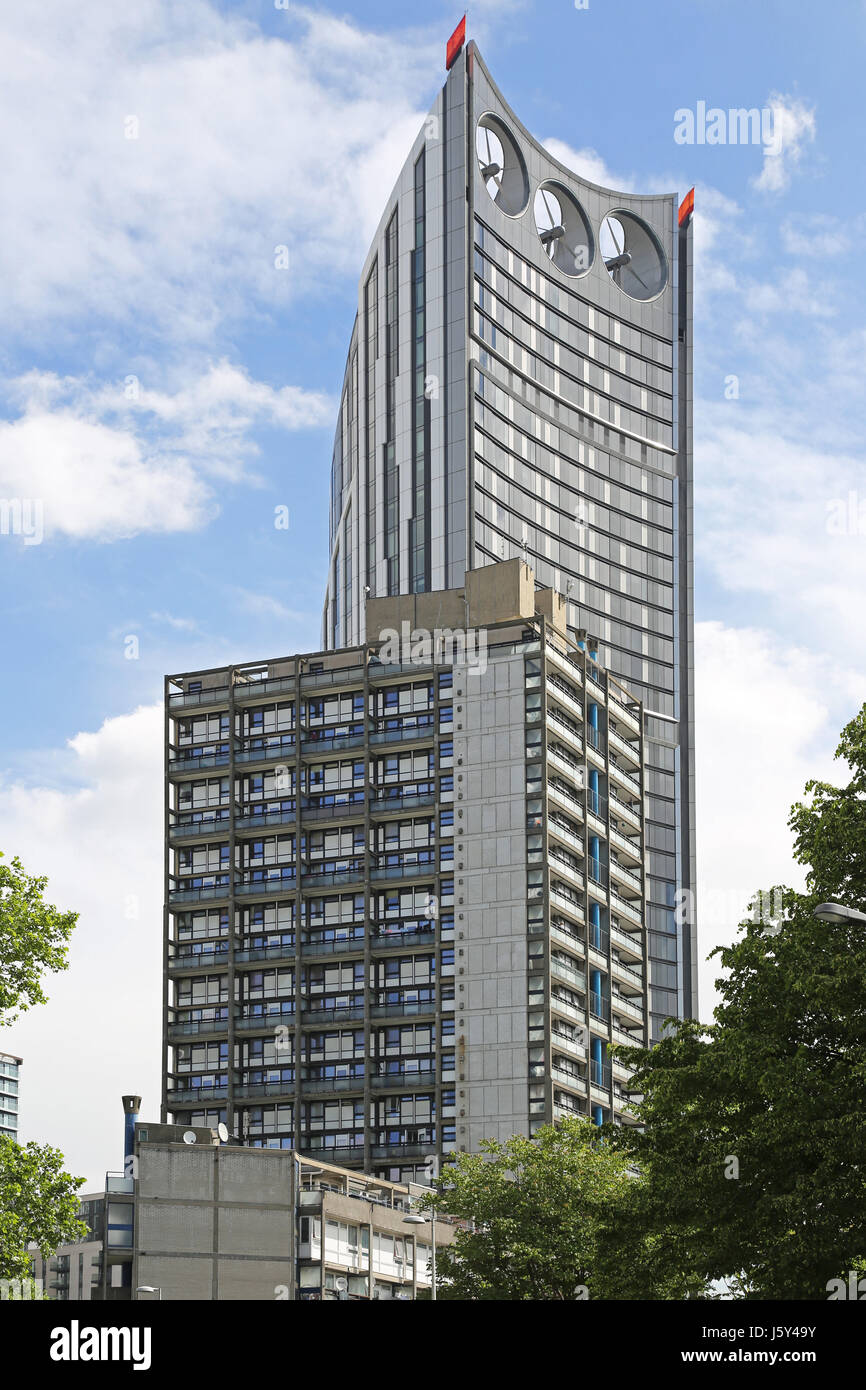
(687, 207)
(455, 43)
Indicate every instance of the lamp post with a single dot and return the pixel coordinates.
(151, 1288)
(413, 1219)
(839, 914)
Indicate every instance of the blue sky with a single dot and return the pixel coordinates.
(163, 386)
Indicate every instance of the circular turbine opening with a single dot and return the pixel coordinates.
(563, 229)
(633, 256)
(501, 166)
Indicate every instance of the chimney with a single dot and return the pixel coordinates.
(131, 1107)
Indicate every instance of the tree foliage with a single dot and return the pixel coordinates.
(755, 1142)
(540, 1217)
(34, 938)
(37, 1203)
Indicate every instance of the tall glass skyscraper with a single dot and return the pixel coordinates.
(519, 383)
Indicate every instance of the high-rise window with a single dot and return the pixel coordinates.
(419, 526)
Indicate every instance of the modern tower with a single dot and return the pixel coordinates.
(519, 384)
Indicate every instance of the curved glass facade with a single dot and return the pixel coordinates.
(519, 384)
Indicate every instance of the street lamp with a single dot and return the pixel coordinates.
(413, 1219)
(840, 914)
(150, 1288)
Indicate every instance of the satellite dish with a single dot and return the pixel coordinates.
(341, 1285)
(223, 1132)
(189, 1136)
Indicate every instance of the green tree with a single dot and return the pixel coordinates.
(542, 1214)
(754, 1147)
(37, 1203)
(34, 938)
(37, 1198)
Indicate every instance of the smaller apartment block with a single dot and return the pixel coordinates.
(405, 885)
(10, 1068)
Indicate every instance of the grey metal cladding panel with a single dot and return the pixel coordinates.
(658, 210)
(253, 1231)
(254, 1176)
(170, 1173)
(173, 1226)
(252, 1279)
(180, 1279)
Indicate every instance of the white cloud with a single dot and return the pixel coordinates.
(768, 716)
(266, 606)
(99, 840)
(819, 236)
(794, 127)
(113, 461)
(588, 164)
(243, 143)
(775, 519)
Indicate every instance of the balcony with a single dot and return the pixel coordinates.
(197, 1028)
(250, 824)
(202, 960)
(568, 1078)
(568, 698)
(383, 805)
(561, 759)
(279, 750)
(186, 764)
(265, 1022)
(621, 1004)
(568, 1042)
(391, 941)
(409, 733)
(201, 826)
(567, 903)
(402, 1080)
(335, 878)
(195, 699)
(628, 716)
(244, 691)
(213, 893)
(331, 1085)
(630, 847)
(390, 872)
(319, 1016)
(561, 727)
(281, 951)
(560, 1005)
(259, 1090)
(413, 1008)
(259, 887)
(625, 809)
(633, 945)
(622, 746)
(331, 1153)
(620, 775)
(564, 797)
(560, 864)
(311, 948)
(567, 972)
(195, 1095)
(624, 908)
(630, 881)
(561, 830)
(404, 1150)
